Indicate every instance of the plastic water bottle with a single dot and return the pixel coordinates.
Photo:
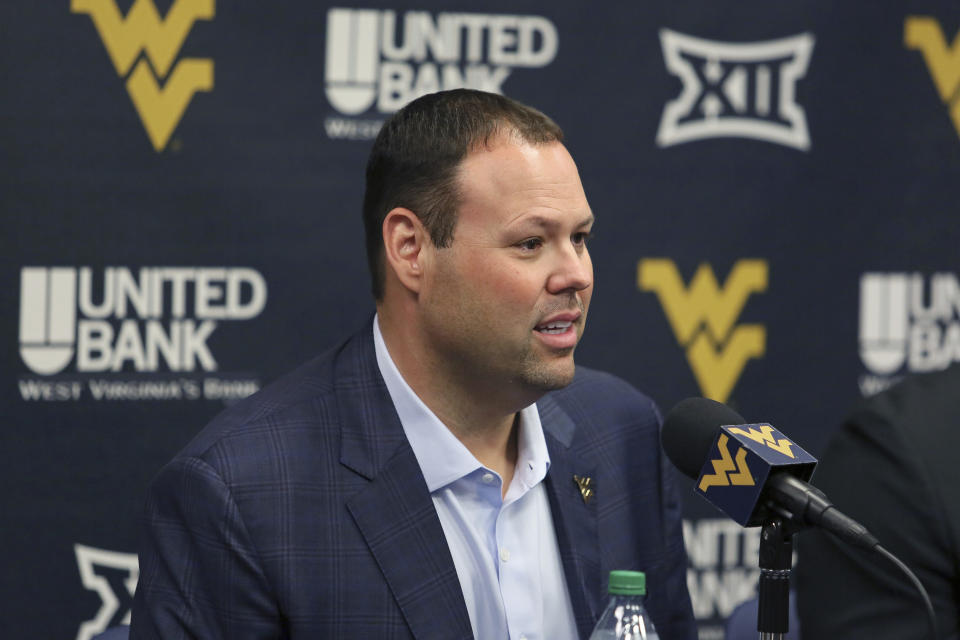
(625, 617)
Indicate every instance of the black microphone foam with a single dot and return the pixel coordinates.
(690, 429)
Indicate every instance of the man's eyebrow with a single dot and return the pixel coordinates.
(549, 223)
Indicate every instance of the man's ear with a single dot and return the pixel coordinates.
(405, 240)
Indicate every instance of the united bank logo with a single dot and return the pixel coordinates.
(121, 322)
(739, 90)
(923, 33)
(379, 60)
(143, 48)
(704, 316)
(908, 323)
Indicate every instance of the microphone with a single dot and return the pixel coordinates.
(751, 472)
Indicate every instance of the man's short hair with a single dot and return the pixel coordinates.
(414, 160)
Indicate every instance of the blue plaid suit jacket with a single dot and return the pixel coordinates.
(301, 512)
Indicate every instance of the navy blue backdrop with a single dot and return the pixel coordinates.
(774, 185)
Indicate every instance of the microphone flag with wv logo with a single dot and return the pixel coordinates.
(742, 459)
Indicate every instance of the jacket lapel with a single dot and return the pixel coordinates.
(574, 517)
(394, 512)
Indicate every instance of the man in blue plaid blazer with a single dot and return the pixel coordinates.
(374, 492)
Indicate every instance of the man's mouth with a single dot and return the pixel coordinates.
(557, 326)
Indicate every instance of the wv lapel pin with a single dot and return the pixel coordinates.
(585, 483)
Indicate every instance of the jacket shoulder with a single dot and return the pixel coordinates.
(593, 391)
(298, 410)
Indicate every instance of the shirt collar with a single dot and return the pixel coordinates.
(441, 456)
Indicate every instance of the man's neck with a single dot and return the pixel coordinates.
(486, 423)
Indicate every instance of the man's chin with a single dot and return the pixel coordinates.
(551, 378)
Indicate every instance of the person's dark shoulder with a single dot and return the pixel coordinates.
(915, 423)
(923, 406)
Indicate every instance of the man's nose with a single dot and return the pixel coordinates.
(573, 271)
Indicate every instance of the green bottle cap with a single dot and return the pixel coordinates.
(628, 583)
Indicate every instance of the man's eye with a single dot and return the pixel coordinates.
(530, 244)
(581, 237)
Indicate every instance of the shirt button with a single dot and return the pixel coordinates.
(529, 466)
(505, 555)
(487, 478)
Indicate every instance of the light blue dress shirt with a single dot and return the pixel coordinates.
(504, 547)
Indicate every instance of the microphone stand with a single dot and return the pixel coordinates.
(776, 561)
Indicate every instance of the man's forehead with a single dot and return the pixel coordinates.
(507, 141)
(511, 164)
(517, 185)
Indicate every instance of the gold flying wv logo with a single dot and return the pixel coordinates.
(704, 317)
(722, 468)
(765, 436)
(144, 48)
(584, 484)
(924, 33)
